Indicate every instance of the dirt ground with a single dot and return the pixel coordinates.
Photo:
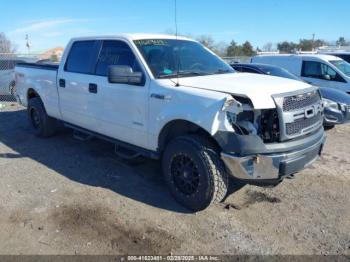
(63, 196)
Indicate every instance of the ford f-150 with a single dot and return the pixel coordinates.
(172, 99)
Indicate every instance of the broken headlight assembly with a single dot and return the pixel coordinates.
(245, 120)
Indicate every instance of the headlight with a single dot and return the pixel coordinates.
(330, 104)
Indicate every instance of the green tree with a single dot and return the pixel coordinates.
(342, 42)
(247, 49)
(309, 44)
(287, 47)
(233, 49)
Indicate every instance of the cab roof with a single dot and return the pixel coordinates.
(133, 37)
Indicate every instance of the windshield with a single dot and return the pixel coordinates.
(171, 58)
(280, 72)
(342, 66)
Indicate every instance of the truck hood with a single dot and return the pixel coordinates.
(258, 88)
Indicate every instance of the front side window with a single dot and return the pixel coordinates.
(115, 53)
(168, 58)
(80, 57)
(321, 71)
(342, 66)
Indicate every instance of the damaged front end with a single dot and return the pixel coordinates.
(255, 148)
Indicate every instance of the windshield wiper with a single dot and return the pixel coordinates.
(182, 74)
(223, 71)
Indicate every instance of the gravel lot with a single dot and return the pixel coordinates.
(63, 196)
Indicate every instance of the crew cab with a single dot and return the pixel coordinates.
(172, 99)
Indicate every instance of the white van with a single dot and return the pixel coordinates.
(318, 70)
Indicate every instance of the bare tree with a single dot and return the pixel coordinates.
(6, 46)
(267, 47)
(207, 41)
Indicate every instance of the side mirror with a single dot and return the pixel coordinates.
(118, 74)
(327, 77)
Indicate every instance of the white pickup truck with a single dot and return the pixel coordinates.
(172, 99)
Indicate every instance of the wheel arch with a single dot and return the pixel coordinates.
(180, 127)
(31, 93)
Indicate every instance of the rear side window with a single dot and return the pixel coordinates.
(80, 57)
(115, 53)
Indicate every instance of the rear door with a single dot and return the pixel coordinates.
(120, 111)
(320, 74)
(74, 81)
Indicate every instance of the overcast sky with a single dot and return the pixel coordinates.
(52, 23)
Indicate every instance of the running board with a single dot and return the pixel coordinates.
(125, 153)
(81, 136)
(124, 150)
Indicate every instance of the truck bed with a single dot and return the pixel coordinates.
(45, 66)
(41, 77)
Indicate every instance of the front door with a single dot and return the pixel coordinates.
(322, 75)
(120, 110)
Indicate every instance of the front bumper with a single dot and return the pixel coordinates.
(336, 117)
(272, 168)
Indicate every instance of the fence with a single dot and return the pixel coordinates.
(7, 76)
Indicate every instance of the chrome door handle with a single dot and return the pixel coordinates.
(161, 96)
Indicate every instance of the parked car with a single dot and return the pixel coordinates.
(318, 70)
(336, 103)
(172, 99)
(7, 74)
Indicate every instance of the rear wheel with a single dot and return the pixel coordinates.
(194, 172)
(41, 123)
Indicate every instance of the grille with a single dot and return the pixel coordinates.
(298, 126)
(292, 103)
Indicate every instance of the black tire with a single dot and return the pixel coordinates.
(41, 123)
(203, 180)
(329, 127)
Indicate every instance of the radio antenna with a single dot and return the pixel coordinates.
(178, 51)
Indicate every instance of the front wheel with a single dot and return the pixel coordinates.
(194, 172)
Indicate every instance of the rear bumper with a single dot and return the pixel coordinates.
(272, 168)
